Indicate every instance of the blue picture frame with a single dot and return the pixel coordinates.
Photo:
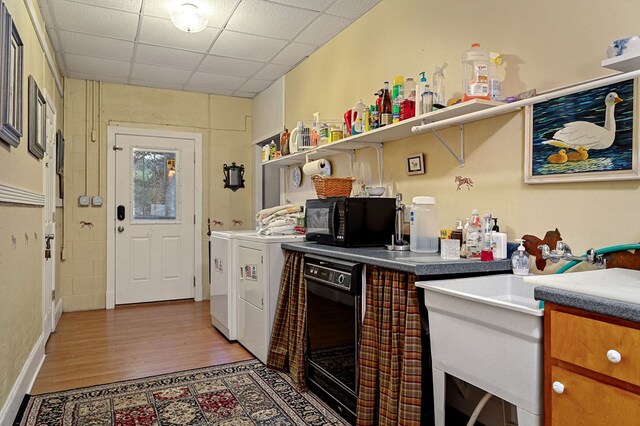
(587, 133)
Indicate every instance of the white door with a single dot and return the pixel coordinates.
(49, 274)
(154, 220)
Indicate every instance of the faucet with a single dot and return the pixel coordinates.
(563, 252)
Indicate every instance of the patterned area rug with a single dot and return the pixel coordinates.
(242, 393)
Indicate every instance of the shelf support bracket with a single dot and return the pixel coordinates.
(459, 159)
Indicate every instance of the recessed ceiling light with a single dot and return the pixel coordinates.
(189, 18)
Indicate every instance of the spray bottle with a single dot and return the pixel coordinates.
(439, 99)
(422, 87)
(321, 129)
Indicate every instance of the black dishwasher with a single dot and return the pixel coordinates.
(334, 315)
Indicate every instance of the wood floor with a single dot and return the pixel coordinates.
(133, 341)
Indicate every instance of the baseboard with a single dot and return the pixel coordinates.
(24, 383)
(57, 314)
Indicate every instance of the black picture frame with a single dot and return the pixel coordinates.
(11, 67)
(59, 153)
(37, 120)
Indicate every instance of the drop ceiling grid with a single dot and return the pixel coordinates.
(246, 46)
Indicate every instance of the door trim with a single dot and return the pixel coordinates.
(112, 132)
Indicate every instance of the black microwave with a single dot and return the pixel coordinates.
(350, 222)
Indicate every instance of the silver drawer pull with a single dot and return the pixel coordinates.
(614, 356)
(558, 388)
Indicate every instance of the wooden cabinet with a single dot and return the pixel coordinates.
(591, 368)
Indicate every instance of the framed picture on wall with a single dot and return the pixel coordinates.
(586, 133)
(37, 120)
(59, 153)
(415, 164)
(10, 80)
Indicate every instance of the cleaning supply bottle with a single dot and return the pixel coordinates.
(475, 64)
(374, 118)
(486, 255)
(439, 99)
(474, 236)
(408, 106)
(321, 129)
(495, 84)
(465, 232)
(357, 118)
(397, 96)
(386, 112)
(520, 260)
(422, 87)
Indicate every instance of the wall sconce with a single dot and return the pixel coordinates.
(233, 176)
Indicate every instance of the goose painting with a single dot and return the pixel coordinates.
(587, 132)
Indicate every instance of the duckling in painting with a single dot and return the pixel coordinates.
(579, 155)
(559, 158)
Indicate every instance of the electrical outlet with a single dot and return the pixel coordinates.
(96, 201)
(84, 200)
(407, 215)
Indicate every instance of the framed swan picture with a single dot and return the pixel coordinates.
(584, 133)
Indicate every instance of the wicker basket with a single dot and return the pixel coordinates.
(332, 187)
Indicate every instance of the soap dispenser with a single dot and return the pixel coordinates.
(520, 260)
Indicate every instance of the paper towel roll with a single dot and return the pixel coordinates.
(317, 167)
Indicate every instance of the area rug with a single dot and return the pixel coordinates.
(242, 393)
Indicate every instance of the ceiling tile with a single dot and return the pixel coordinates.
(246, 46)
(209, 91)
(219, 10)
(293, 53)
(127, 5)
(160, 74)
(156, 55)
(160, 85)
(240, 94)
(93, 65)
(323, 29)
(89, 19)
(319, 5)
(90, 45)
(216, 81)
(229, 66)
(253, 85)
(272, 72)
(162, 32)
(269, 19)
(97, 77)
(351, 9)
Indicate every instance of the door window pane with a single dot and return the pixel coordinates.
(154, 185)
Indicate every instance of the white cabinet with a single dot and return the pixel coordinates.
(259, 262)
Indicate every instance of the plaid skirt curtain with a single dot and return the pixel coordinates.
(390, 351)
(287, 347)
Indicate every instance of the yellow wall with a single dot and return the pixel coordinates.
(225, 125)
(21, 226)
(546, 45)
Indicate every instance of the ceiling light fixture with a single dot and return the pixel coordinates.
(189, 18)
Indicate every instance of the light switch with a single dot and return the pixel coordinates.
(96, 201)
(84, 200)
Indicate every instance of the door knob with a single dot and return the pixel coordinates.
(121, 228)
(49, 236)
(558, 388)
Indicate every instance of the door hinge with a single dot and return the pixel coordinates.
(194, 158)
(53, 295)
(194, 281)
(261, 259)
(194, 219)
(53, 216)
(262, 302)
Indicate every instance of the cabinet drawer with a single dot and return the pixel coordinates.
(588, 402)
(585, 342)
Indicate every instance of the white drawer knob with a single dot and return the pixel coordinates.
(614, 356)
(558, 388)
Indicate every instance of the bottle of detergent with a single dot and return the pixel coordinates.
(475, 63)
(408, 105)
(397, 96)
(357, 118)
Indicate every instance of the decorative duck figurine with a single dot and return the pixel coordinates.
(559, 158)
(588, 135)
(579, 155)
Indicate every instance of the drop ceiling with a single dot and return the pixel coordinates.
(246, 46)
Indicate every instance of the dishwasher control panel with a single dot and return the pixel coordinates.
(336, 274)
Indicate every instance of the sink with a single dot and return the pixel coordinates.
(487, 331)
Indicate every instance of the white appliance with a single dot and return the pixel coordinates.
(259, 263)
(223, 277)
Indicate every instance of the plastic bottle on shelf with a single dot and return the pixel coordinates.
(422, 87)
(374, 118)
(439, 99)
(474, 236)
(397, 97)
(357, 118)
(408, 106)
(475, 64)
(520, 260)
(426, 101)
(495, 84)
(465, 232)
(386, 113)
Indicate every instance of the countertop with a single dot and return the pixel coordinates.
(613, 292)
(421, 264)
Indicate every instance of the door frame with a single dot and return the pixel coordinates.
(112, 132)
(49, 192)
